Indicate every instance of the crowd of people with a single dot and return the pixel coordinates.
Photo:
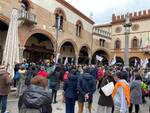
(37, 86)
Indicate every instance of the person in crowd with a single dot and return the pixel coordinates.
(5, 83)
(136, 94)
(100, 73)
(32, 72)
(16, 69)
(42, 72)
(21, 83)
(36, 99)
(86, 87)
(70, 91)
(105, 103)
(121, 94)
(125, 73)
(49, 69)
(55, 83)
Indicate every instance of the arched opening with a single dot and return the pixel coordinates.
(3, 35)
(38, 48)
(102, 54)
(67, 51)
(132, 61)
(83, 56)
(119, 61)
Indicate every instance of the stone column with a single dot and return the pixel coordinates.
(21, 50)
(76, 60)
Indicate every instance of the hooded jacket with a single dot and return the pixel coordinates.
(35, 97)
(5, 82)
(86, 84)
(70, 87)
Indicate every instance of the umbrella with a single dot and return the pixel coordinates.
(11, 49)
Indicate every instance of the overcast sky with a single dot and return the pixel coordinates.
(103, 9)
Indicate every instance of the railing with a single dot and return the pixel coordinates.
(27, 16)
(102, 32)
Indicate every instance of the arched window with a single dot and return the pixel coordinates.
(117, 44)
(134, 43)
(79, 28)
(59, 18)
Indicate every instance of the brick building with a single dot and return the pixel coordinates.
(139, 42)
(55, 26)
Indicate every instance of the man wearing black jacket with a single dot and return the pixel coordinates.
(86, 87)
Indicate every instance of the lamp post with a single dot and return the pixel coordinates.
(127, 26)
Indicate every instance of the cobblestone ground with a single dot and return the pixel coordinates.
(60, 107)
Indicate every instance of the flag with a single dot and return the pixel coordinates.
(140, 43)
(146, 45)
(66, 61)
(55, 59)
(135, 62)
(113, 60)
(99, 58)
(141, 62)
(145, 63)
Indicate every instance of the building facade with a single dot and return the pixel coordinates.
(138, 38)
(51, 27)
(54, 26)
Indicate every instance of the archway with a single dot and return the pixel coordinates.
(3, 35)
(119, 61)
(38, 47)
(132, 61)
(83, 56)
(103, 54)
(67, 51)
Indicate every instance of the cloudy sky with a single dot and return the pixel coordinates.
(102, 10)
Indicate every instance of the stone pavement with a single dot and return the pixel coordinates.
(60, 107)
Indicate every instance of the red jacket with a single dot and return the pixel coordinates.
(43, 73)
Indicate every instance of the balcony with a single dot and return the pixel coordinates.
(27, 16)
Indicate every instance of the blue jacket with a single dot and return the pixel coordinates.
(86, 84)
(70, 87)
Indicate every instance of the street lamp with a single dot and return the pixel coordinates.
(127, 26)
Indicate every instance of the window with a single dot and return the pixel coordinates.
(102, 42)
(79, 27)
(134, 43)
(117, 44)
(59, 18)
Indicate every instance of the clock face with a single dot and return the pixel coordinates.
(135, 27)
(118, 29)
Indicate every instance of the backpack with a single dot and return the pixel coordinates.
(16, 76)
(24, 109)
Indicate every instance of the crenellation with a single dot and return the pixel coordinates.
(139, 13)
(149, 12)
(118, 17)
(122, 16)
(144, 12)
(130, 15)
(133, 16)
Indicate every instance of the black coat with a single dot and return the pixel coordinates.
(105, 100)
(70, 87)
(36, 97)
(55, 80)
(86, 84)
